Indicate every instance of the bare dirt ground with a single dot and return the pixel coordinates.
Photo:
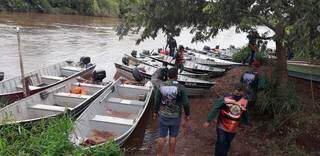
(300, 136)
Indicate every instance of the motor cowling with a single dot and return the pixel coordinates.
(85, 60)
(98, 75)
(125, 61)
(146, 52)
(1, 76)
(207, 48)
(134, 53)
(137, 75)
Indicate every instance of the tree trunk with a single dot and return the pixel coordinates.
(281, 63)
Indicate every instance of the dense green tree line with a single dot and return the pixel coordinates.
(85, 7)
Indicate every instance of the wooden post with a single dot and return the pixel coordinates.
(23, 80)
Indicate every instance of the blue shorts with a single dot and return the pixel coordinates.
(170, 125)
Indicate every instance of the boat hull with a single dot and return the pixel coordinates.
(304, 71)
(8, 98)
(211, 73)
(193, 89)
(201, 76)
(98, 116)
(29, 100)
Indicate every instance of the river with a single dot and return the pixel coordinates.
(48, 39)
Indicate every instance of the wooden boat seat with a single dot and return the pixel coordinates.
(125, 101)
(71, 68)
(30, 87)
(49, 108)
(88, 85)
(113, 120)
(72, 95)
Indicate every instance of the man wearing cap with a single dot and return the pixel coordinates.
(170, 98)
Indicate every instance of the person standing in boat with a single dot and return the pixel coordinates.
(179, 58)
(230, 110)
(169, 99)
(172, 43)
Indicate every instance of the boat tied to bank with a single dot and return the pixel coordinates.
(191, 66)
(112, 116)
(72, 96)
(12, 89)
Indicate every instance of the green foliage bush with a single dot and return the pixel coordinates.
(261, 56)
(241, 55)
(276, 102)
(86, 7)
(48, 137)
(15, 5)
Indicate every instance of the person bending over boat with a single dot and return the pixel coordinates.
(179, 58)
(169, 100)
(253, 82)
(230, 110)
(160, 75)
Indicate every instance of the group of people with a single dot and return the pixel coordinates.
(228, 111)
(176, 52)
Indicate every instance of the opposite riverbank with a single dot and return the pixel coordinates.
(109, 8)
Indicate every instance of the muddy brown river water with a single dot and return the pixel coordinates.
(48, 39)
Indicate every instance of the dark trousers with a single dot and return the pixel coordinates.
(223, 142)
(179, 66)
(251, 56)
(171, 52)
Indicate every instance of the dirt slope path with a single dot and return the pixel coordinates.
(193, 139)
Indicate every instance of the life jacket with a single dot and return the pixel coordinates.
(179, 57)
(170, 92)
(230, 115)
(77, 90)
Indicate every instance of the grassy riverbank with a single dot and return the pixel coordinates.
(46, 138)
(83, 7)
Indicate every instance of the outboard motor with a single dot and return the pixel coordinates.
(137, 75)
(146, 52)
(206, 48)
(125, 61)
(134, 53)
(1, 76)
(85, 61)
(98, 75)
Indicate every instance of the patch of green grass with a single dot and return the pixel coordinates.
(46, 137)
